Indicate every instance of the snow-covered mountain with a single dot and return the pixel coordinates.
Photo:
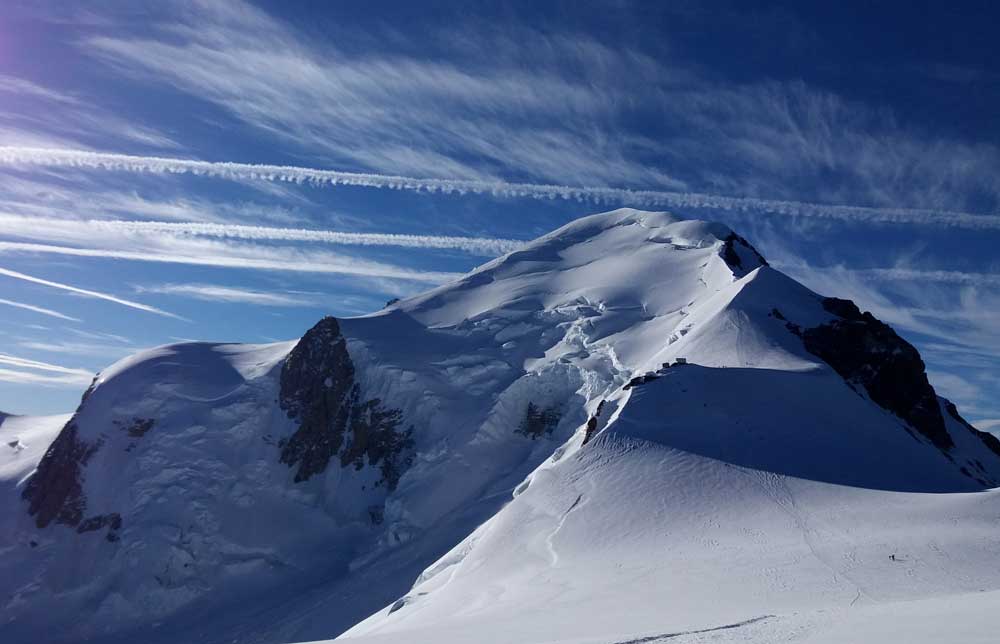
(631, 428)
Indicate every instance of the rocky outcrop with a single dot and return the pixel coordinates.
(137, 427)
(319, 390)
(641, 380)
(732, 258)
(538, 422)
(991, 441)
(112, 521)
(55, 491)
(592, 422)
(870, 356)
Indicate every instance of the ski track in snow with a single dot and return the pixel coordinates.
(666, 636)
(549, 540)
(777, 488)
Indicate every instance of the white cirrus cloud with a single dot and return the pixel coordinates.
(560, 108)
(49, 228)
(23, 370)
(87, 293)
(61, 347)
(39, 309)
(28, 377)
(218, 293)
(231, 256)
(477, 245)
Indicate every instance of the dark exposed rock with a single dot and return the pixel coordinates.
(589, 431)
(732, 257)
(592, 423)
(90, 389)
(538, 421)
(138, 427)
(991, 441)
(112, 521)
(374, 434)
(318, 389)
(55, 490)
(641, 380)
(867, 353)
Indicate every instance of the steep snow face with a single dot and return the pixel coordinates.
(23, 441)
(300, 486)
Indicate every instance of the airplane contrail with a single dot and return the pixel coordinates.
(18, 156)
(95, 294)
(478, 245)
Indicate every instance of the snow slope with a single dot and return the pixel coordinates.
(513, 442)
(649, 531)
(23, 440)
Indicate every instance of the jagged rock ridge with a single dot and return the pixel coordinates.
(868, 354)
(318, 389)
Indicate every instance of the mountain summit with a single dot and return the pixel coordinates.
(632, 427)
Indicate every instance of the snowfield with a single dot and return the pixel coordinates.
(631, 430)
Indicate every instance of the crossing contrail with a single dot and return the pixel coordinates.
(27, 156)
(476, 245)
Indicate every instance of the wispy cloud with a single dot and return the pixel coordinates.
(385, 111)
(240, 257)
(44, 112)
(33, 378)
(478, 245)
(102, 336)
(84, 195)
(543, 105)
(25, 156)
(217, 293)
(24, 370)
(39, 309)
(16, 85)
(919, 301)
(98, 229)
(29, 377)
(61, 347)
(87, 293)
(942, 277)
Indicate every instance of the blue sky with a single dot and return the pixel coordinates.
(877, 123)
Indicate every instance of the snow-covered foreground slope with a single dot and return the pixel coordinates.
(649, 530)
(507, 458)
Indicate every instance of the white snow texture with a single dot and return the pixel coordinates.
(750, 495)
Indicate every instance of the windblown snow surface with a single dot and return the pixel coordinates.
(518, 457)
